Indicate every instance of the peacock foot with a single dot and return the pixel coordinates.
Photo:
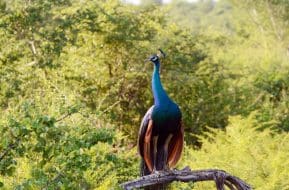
(166, 168)
(157, 172)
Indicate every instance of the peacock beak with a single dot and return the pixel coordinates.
(147, 60)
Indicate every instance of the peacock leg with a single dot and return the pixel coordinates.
(166, 148)
(155, 144)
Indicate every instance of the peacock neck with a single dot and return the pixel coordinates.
(160, 95)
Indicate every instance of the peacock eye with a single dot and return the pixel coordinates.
(154, 58)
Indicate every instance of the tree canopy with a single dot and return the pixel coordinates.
(74, 87)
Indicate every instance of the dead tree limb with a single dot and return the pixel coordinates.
(220, 177)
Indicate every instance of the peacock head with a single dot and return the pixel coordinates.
(155, 58)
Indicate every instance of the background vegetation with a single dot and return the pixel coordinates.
(74, 87)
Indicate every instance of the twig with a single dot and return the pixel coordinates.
(109, 108)
(11, 146)
(32, 46)
(220, 177)
(63, 117)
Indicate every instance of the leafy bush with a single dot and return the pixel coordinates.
(74, 87)
(258, 157)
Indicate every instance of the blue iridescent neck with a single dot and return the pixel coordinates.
(160, 95)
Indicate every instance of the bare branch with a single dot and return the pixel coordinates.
(63, 117)
(32, 46)
(31, 63)
(220, 177)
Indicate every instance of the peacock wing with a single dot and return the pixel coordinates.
(144, 138)
(176, 147)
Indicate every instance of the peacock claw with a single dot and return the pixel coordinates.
(156, 172)
(166, 169)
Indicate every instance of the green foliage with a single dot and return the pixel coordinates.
(61, 155)
(260, 158)
(74, 88)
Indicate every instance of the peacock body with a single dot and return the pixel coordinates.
(160, 141)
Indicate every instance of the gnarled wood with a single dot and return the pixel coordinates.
(220, 177)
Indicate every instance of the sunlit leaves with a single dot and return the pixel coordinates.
(260, 158)
(74, 86)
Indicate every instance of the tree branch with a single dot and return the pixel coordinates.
(220, 177)
(63, 117)
(10, 147)
(32, 47)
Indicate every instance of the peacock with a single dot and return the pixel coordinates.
(161, 135)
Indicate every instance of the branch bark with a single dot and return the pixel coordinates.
(220, 177)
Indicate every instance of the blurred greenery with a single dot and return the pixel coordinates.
(74, 87)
